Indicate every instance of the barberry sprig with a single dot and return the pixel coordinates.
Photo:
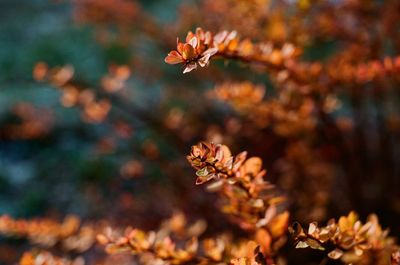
(70, 234)
(164, 246)
(248, 199)
(40, 257)
(281, 60)
(348, 239)
(201, 46)
(197, 50)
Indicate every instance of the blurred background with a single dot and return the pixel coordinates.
(94, 123)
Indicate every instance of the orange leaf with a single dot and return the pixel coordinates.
(188, 52)
(174, 58)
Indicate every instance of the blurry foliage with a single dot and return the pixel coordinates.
(95, 126)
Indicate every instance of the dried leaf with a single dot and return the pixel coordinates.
(253, 165)
(314, 244)
(301, 244)
(190, 67)
(312, 228)
(335, 254)
(215, 186)
(263, 238)
(188, 52)
(202, 172)
(174, 58)
(279, 224)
